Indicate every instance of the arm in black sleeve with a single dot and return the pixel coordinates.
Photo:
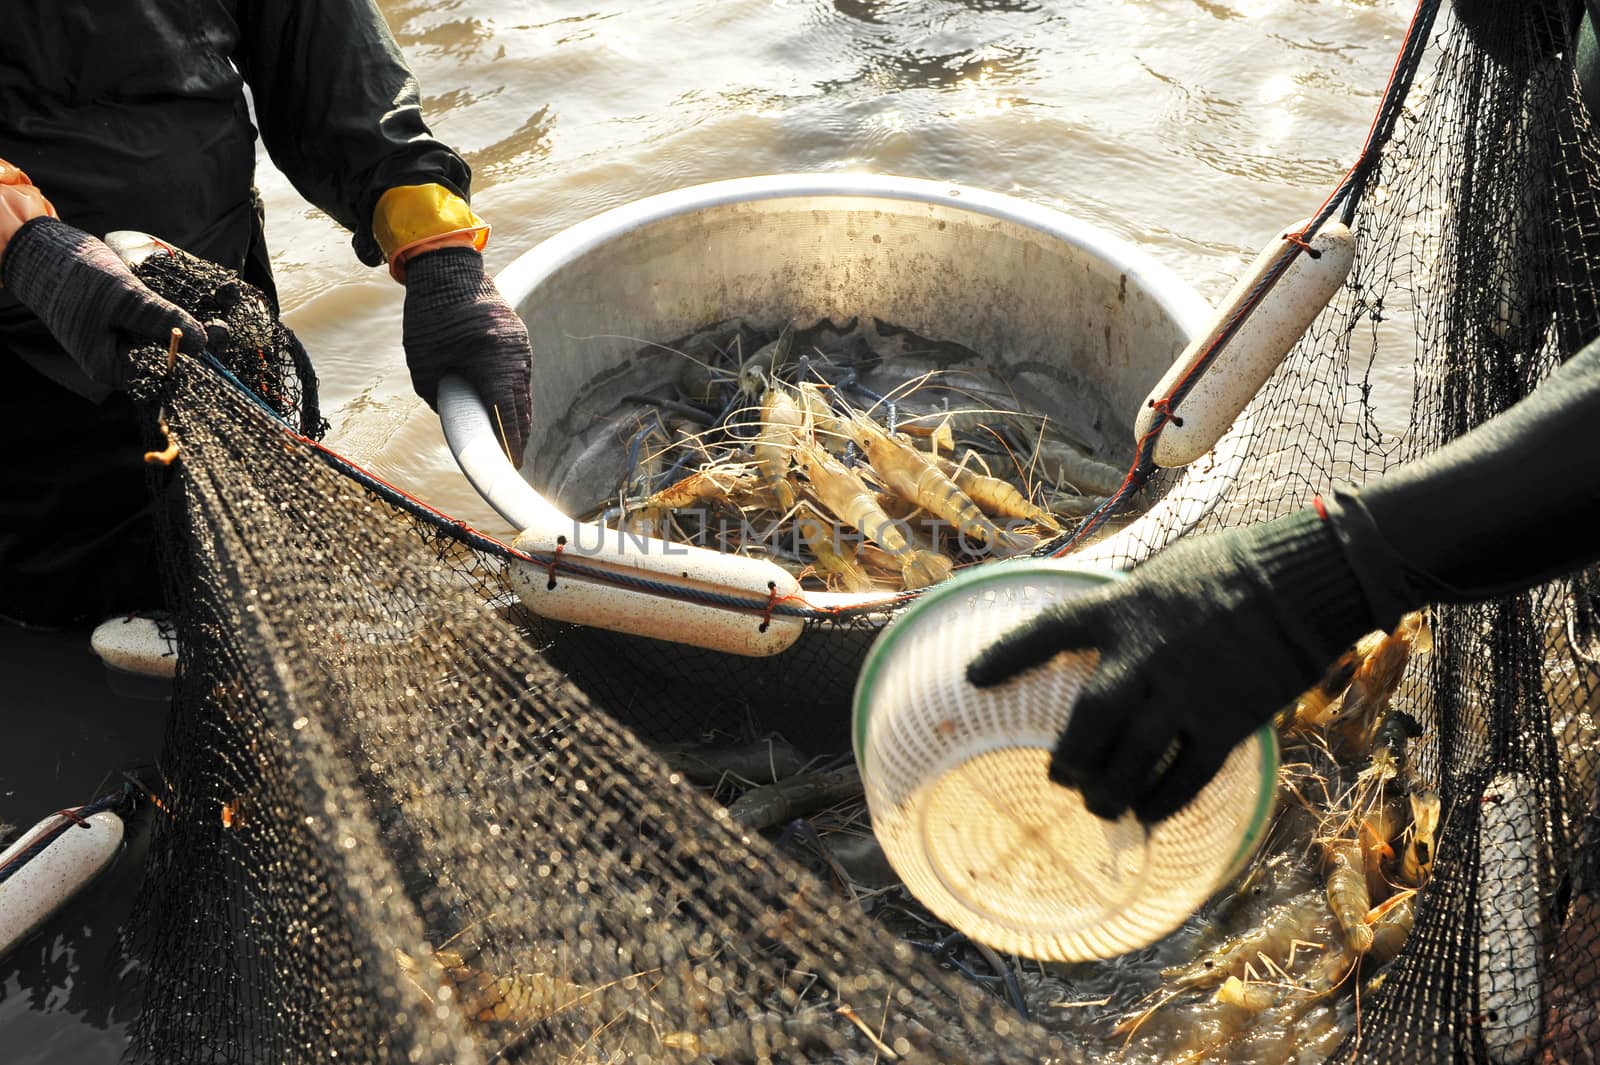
(1514, 502)
(339, 109)
(1202, 644)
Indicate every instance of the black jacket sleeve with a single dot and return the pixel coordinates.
(1506, 506)
(338, 108)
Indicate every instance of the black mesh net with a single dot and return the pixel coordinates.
(399, 821)
(393, 832)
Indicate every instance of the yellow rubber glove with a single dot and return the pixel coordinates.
(411, 219)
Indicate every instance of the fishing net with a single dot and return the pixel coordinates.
(398, 821)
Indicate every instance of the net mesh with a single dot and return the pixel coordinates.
(399, 821)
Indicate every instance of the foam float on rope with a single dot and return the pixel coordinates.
(1265, 327)
(1510, 934)
(40, 885)
(137, 644)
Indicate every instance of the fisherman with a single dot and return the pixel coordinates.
(1204, 643)
(134, 116)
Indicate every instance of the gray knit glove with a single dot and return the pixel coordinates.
(456, 322)
(1198, 648)
(89, 300)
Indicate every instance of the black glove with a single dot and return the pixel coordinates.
(89, 300)
(1198, 648)
(457, 322)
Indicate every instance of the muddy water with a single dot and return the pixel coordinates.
(1194, 128)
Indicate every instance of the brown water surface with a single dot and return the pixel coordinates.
(1193, 128)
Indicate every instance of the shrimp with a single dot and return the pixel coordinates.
(831, 560)
(819, 415)
(521, 997)
(649, 517)
(909, 473)
(699, 487)
(1391, 924)
(755, 370)
(996, 496)
(1376, 830)
(1276, 933)
(1065, 465)
(1375, 681)
(1418, 861)
(1347, 892)
(842, 493)
(782, 421)
(1317, 706)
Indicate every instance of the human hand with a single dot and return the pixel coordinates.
(1198, 647)
(457, 322)
(88, 299)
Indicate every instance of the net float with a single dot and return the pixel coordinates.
(594, 567)
(1272, 324)
(137, 643)
(44, 883)
(1510, 939)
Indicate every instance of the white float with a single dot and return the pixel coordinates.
(1262, 340)
(137, 644)
(1510, 944)
(567, 595)
(52, 877)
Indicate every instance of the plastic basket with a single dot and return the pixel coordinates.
(956, 782)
